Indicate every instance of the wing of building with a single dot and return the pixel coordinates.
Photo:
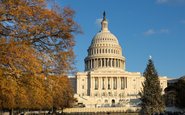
(105, 82)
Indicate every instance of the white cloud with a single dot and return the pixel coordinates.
(152, 31)
(98, 22)
(162, 1)
(149, 32)
(170, 1)
(164, 31)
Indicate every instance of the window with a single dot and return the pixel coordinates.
(103, 94)
(103, 83)
(99, 62)
(122, 83)
(92, 63)
(115, 83)
(82, 86)
(108, 83)
(110, 62)
(96, 83)
(113, 62)
(103, 64)
(109, 93)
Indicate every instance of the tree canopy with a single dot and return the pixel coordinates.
(28, 26)
(36, 54)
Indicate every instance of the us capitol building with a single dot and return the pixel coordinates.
(105, 82)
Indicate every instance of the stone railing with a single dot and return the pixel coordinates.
(107, 109)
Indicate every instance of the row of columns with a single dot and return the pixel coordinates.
(103, 62)
(108, 83)
(101, 51)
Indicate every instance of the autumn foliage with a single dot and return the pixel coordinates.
(35, 93)
(36, 53)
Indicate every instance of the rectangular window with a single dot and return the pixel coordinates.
(96, 83)
(122, 83)
(115, 83)
(103, 83)
(108, 83)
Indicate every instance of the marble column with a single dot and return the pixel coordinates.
(100, 62)
(92, 88)
(111, 86)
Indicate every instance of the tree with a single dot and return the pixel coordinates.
(151, 94)
(35, 40)
(62, 92)
(8, 87)
(17, 59)
(47, 32)
(21, 98)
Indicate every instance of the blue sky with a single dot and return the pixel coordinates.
(143, 28)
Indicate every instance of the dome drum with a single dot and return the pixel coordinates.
(96, 63)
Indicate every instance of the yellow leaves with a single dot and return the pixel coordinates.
(35, 92)
(36, 30)
(19, 58)
(36, 42)
(7, 92)
(61, 91)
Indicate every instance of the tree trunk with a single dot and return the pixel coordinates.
(11, 111)
(62, 112)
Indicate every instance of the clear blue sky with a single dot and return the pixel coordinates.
(143, 28)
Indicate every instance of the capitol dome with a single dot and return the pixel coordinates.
(104, 51)
(104, 36)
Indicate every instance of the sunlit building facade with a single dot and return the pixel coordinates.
(105, 81)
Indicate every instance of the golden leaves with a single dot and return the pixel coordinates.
(43, 30)
(35, 42)
(19, 58)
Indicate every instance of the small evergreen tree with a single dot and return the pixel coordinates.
(151, 94)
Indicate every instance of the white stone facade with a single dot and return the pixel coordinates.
(105, 82)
